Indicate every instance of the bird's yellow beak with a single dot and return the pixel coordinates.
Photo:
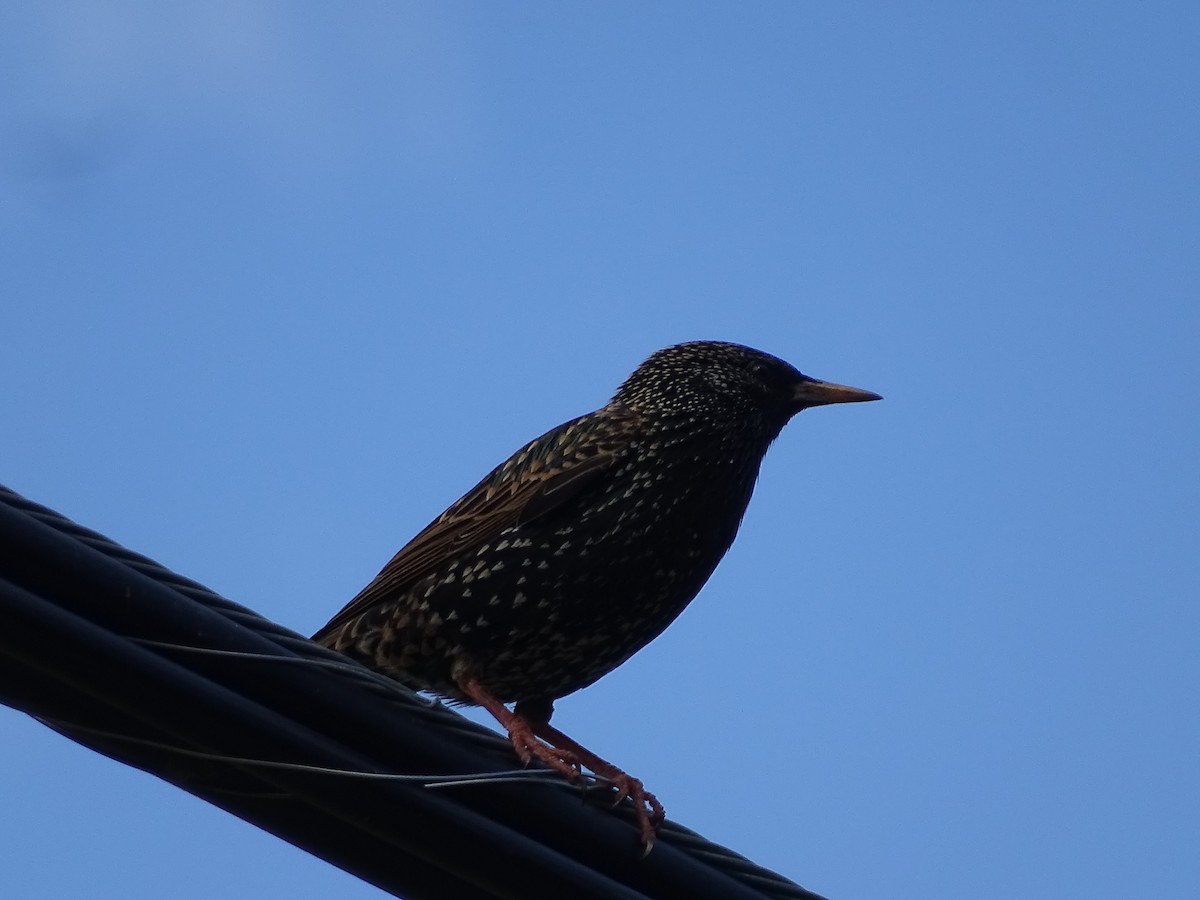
(821, 393)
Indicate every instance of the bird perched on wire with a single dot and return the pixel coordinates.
(581, 548)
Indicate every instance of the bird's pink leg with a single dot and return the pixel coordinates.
(564, 754)
(522, 733)
(647, 809)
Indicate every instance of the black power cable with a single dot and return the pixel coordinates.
(156, 671)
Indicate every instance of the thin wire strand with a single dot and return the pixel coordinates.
(430, 781)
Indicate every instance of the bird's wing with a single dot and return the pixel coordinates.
(542, 476)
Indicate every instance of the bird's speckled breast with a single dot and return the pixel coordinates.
(554, 604)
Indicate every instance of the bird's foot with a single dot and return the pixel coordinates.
(522, 733)
(647, 811)
(533, 737)
(528, 747)
(646, 808)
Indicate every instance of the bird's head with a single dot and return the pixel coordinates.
(720, 382)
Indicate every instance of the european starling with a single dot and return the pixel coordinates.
(581, 548)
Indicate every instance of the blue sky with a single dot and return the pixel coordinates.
(281, 281)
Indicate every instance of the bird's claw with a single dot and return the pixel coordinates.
(646, 808)
(528, 748)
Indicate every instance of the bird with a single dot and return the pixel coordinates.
(581, 548)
